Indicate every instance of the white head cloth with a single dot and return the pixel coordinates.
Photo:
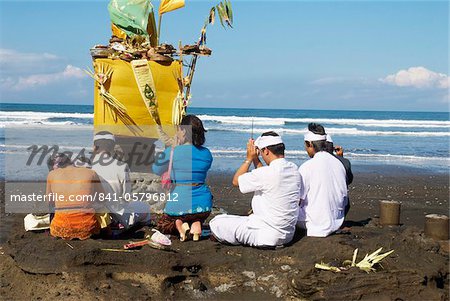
(310, 136)
(265, 141)
(329, 138)
(104, 136)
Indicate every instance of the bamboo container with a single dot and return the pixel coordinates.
(437, 226)
(389, 213)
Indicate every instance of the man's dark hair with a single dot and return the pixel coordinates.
(319, 130)
(84, 160)
(329, 146)
(195, 132)
(104, 145)
(316, 128)
(277, 149)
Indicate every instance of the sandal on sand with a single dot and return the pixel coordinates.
(160, 238)
(185, 231)
(196, 236)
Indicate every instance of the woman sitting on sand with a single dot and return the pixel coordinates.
(72, 189)
(190, 201)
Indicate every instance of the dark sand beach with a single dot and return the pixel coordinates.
(35, 266)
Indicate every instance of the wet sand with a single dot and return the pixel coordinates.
(38, 267)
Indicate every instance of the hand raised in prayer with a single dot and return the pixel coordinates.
(339, 151)
(252, 152)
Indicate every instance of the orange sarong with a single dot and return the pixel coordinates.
(74, 221)
(73, 225)
(74, 190)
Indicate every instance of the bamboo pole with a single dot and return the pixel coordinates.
(159, 29)
(191, 75)
(181, 75)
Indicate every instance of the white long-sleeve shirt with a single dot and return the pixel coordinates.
(275, 201)
(115, 178)
(323, 194)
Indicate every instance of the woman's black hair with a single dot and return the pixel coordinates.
(195, 132)
(59, 159)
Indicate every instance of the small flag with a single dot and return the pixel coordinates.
(170, 5)
(118, 32)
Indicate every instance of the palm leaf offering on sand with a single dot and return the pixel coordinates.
(366, 264)
(370, 260)
(326, 267)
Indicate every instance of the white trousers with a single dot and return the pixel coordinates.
(245, 230)
(134, 212)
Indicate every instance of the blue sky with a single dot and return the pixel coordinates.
(356, 55)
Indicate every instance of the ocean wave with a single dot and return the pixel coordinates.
(35, 119)
(39, 123)
(239, 153)
(36, 123)
(23, 147)
(333, 131)
(392, 157)
(28, 118)
(236, 152)
(268, 121)
(42, 115)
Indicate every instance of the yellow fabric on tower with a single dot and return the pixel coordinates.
(118, 32)
(170, 5)
(122, 85)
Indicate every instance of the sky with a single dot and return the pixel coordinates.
(332, 55)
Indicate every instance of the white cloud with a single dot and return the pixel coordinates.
(339, 81)
(328, 80)
(36, 80)
(418, 77)
(10, 55)
(13, 62)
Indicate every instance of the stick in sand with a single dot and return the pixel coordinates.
(117, 250)
(252, 128)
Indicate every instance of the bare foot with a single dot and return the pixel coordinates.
(182, 229)
(196, 230)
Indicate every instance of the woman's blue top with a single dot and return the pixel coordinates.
(190, 165)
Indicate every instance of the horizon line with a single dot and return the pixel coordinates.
(241, 108)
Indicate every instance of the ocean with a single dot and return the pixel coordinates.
(414, 139)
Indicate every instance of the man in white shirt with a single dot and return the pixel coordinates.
(275, 202)
(115, 179)
(323, 196)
